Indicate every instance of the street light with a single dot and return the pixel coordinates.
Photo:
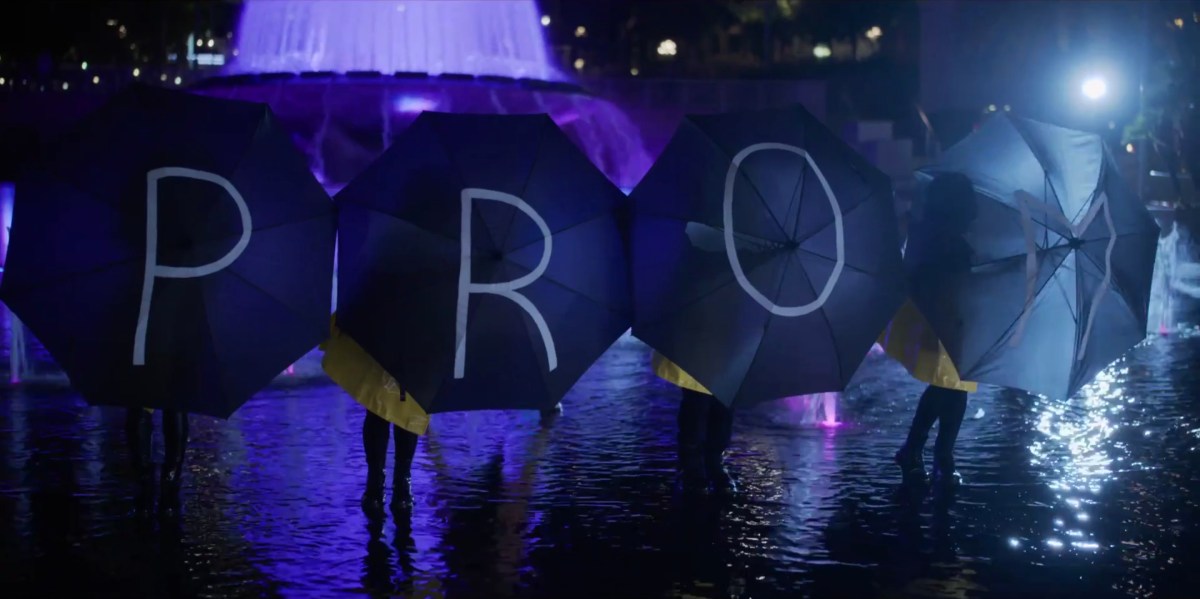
(1094, 88)
(667, 47)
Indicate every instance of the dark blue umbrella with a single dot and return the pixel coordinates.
(174, 251)
(766, 255)
(480, 262)
(1063, 260)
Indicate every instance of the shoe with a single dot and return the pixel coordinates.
(402, 498)
(372, 499)
(912, 467)
(722, 482)
(945, 477)
(690, 485)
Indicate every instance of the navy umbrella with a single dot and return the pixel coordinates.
(1063, 260)
(766, 255)
(480, 262)
(174, 251)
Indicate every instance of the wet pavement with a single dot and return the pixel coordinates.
(1094, 497)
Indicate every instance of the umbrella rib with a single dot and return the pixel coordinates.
(454, 168)
(258, 288)
(758, 193)
(563, 230)
(699, 298)
(999, 342)
(525, 184)
(301, 221)
(866, 201)
(1041, 162)
(844, 264)
(766, 327)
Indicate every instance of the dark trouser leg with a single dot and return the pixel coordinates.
(139, 429)
(406, 448)
(910, 458)
(953, 408)
(720, 432)
(693, 428)
(375, 442)
(175, 439)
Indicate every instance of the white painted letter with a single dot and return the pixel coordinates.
(731, 249)
(153, 269)
(507, 289)
(1028, 203)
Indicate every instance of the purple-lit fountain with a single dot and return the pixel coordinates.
(347, 75)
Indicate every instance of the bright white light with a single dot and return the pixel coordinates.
(210, 43)
(874, 33)
(1095, 88)
(83, 65)
(667, 47)
(579, 63)
(199, 43)
(137, 72)
(822, 51)
(2, 81)
(581, 31)
(95, 79)
(162, 77)
(178, 80)
(634, 71)
(1179, 23)
(1129, 148)
(991, 108)
(545, 20)
(66, 86)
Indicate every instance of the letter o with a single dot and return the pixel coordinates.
(731, 249)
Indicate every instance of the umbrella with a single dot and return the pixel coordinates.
(766, 255)
(480, 262)
(1063, 259)
(174, 251)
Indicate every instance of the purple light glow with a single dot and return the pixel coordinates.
(343, 123)
(480, 37)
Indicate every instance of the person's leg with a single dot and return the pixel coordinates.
(375, 442)
(175, 439)
(719, 434)
(139, 435)
(406, 448)
(693, 427)
(953, 409)
(910, 456)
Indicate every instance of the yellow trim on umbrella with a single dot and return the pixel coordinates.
(672, 373)
(910, 340)
(353, 369)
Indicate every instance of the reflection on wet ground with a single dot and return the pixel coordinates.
(1094, 497)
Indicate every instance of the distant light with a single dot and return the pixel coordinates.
(874, 33)
(1112, 124)
(172, 57)
(581, 31)
(991, 108)
(235, 51)
(178, 80)
(1179, 23)
(1013, 542)
(634, 71)
(199, 43)
(822, 51)
(229, 34)
(668, 47)
(1054, 543)
(1007, 108)
(1129, 148)
(111, 22)
(83, 65)
(1095, 88)
(121, 32)
(545, 20)
(3, 81)
(162, 77)
(66, 86)
(95, 79)
(137, 72)
(413, 104)
(210, 43)
(579, 64)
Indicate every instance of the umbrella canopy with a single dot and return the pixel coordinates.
(766, 255)
(173, 252)
(481, 263)
(1063, 259)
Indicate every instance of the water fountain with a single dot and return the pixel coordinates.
(1176, 276)
(346, 76)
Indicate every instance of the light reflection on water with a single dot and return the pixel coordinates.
(1093, 497)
